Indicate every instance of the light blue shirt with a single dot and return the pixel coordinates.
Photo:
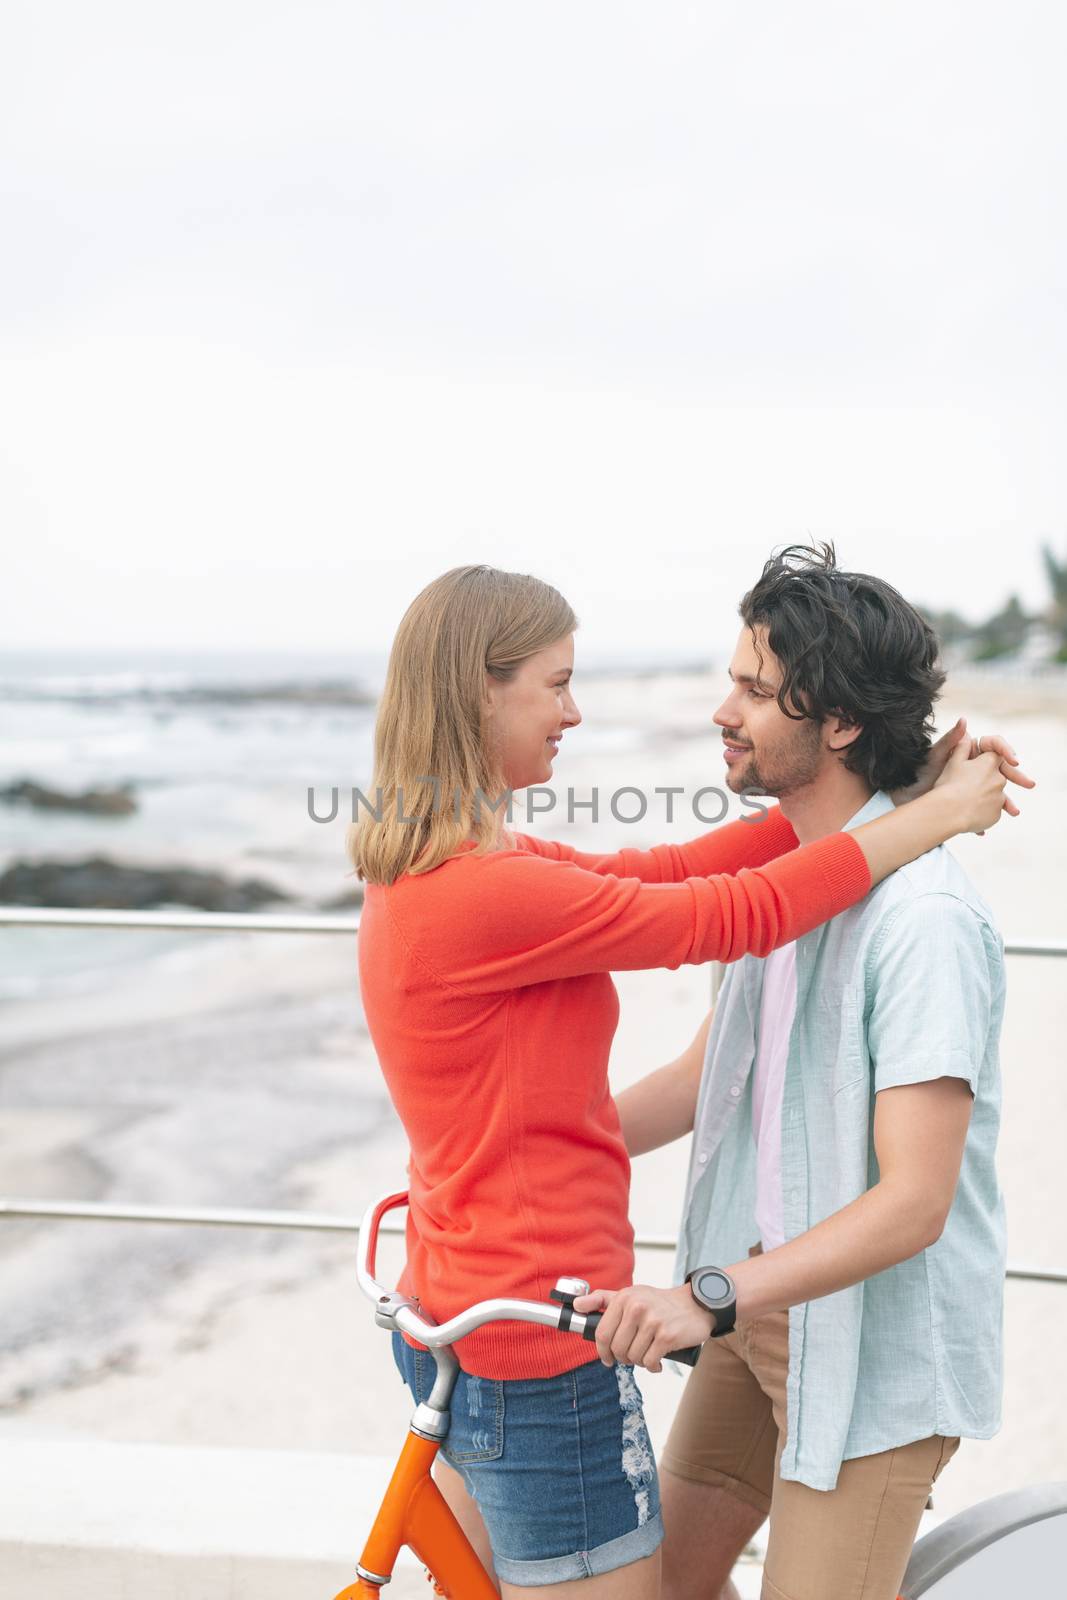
(905, 987)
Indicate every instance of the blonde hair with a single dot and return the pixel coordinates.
(433, 764)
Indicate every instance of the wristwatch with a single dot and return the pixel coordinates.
(713, 1289)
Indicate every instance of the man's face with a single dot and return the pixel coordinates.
(765, 751)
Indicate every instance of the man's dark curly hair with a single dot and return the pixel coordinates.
(851, 646)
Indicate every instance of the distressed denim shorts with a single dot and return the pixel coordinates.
(561, 1468)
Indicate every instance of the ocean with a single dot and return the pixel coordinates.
(234, 758)
(221, 780)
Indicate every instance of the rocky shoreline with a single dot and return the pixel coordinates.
(99, 883)
(118, 801)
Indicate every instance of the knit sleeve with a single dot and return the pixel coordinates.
(749, 842)
(514, 918)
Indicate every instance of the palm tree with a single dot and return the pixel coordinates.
(1056, 572)
(1003, 634)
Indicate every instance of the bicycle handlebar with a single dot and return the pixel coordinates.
(592, 1319)
(435, 1335)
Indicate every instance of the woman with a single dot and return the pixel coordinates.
(484, 966)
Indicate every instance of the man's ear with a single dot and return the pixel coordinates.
(840, 732)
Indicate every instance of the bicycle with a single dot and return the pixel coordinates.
(1010, 1531)
(413, 1511)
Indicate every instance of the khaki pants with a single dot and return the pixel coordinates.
(851, 1543)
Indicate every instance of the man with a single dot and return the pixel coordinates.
(842, 1169)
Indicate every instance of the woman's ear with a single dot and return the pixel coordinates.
(488, 701)
(491, 688)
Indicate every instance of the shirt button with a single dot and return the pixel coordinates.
(702, 1157)
(794, 1195)
(734, 1092)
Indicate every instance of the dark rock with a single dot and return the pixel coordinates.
(96, 882)
(117, 802)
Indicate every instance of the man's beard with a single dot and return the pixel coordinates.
(783, 767)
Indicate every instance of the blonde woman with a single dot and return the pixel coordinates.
(484, 959)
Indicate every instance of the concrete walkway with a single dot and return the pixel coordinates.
(80, 1520)
(85, 1521)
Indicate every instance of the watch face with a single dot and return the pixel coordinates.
(713, 1285)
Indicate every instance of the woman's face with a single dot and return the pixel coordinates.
(529, 715)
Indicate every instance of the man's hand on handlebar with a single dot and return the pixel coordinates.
(640, 1326)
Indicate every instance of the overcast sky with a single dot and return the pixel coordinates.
(301, 304)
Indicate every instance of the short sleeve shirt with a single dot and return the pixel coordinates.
(905, 987)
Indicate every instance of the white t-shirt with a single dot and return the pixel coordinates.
(777, 1010)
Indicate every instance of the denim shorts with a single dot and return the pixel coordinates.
(561, 1468)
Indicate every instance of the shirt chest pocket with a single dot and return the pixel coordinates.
(835, 1043)
(851, 1060)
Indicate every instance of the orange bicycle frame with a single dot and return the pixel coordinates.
(414, 1513)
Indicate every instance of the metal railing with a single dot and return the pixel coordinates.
(316, 1222)
(256, 922)
(298, 1221)
(188, 921)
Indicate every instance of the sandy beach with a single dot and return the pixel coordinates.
(240, 1074)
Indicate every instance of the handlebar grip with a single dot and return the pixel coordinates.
(689, 1357)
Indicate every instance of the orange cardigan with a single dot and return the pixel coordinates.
(486, 991)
